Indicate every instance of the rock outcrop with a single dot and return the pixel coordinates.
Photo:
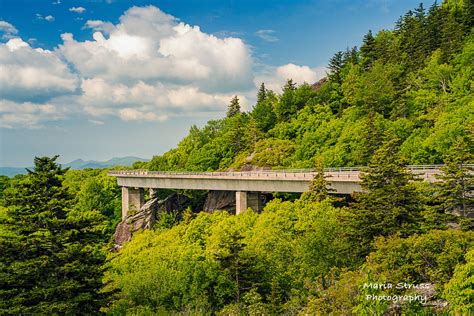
(317, 86)
(146, 217)
(220, 200)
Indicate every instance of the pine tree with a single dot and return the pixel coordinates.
(368, 51)
(262, 93)
(287, 106)
(319, 189)
(433, 24)
(457, 180)
(372, 138)
(351, 56)
(234, 107)
(50, 261)
(336, 63)
(389, 204)
(262, 113)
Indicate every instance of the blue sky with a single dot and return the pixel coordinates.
(99, 79)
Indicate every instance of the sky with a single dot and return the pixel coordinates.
(97, 79)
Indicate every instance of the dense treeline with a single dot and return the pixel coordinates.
(404, 97)
(55, 225)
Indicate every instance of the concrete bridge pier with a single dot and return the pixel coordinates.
(132, 199)
(245, 200)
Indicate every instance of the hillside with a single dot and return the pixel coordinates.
(413, 84)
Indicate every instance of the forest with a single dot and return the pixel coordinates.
(404, 97)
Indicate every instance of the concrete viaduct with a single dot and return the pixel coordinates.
(246, 185)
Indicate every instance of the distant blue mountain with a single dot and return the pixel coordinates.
(11, 171)
(79, 164)
(120, 161)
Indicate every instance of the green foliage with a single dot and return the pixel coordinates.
(272, 152)
(404, 98)
(367, 50)
(318, 188)
(437, 258)
(244, 263)
(234, 107)
(51, 261)
(417, 259)
(390, 203)
(457, 185)
(262, 112)
(459, 291)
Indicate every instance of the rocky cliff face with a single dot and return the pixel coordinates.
(220, 200)
(146, 217)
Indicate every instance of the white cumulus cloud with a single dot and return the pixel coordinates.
(101, 26)
(149, 66)
(48, 18)
(275, 77)
(28, 74)
(79, 10)
(151, 45)
(7, 29)
(27, 114)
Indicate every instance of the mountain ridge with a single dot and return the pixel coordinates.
(79, 164)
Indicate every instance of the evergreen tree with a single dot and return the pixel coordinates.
(389, 204)
(351, 55)
(286, 106)
(50, 261)
(234, 107)
(433, 25)
(369, 54)
(262, 93)
(263, 115)
(457, 185)
(319, 189)
(452, 32)
(336, 63)
(372, 138)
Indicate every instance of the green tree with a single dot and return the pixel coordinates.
(336, 63)
(286, 105)
(351, 55)
(390, 203)
(459, 291)
(367, 50)
(319, 189)
(234, 107)
(455, 189)
(50, 262)
(262, 93)
(265, 117)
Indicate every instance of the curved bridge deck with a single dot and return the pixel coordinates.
(247, 185)
(342, 180)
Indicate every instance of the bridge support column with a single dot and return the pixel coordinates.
(132, 199)
(240, 202)
(254, 201)
(244, 200)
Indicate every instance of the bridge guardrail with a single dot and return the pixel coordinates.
(284, 173)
